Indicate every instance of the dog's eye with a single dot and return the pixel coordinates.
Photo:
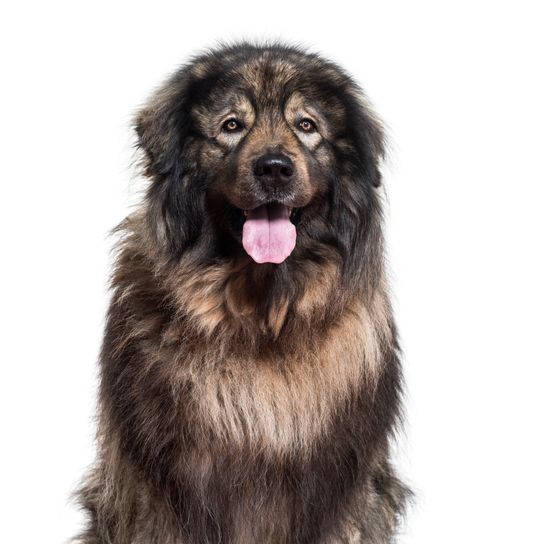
(232, 125)
(307, 125)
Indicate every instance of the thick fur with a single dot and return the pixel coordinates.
(243, 402)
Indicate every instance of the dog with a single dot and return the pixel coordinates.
(250, 369)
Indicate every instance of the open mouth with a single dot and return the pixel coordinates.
(268, 234)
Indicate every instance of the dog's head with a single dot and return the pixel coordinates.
(264, 151)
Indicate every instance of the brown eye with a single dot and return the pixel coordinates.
(306, 125)
(232, 125)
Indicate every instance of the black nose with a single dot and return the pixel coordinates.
(274, 167)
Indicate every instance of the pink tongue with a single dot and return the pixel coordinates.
(268, 235)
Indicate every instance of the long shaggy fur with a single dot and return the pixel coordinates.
(245, 403)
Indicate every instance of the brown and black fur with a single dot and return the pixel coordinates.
(243, 402)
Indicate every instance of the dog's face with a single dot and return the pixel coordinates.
(265, 150)
(265, 147)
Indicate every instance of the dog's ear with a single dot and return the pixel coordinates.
(369, 141)
(356, 205)
(174, 198)
(159, 126)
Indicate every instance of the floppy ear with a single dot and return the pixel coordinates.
(356, 206)
(369, 140)
(174, 199)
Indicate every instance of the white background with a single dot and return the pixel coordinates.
(460, 87)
